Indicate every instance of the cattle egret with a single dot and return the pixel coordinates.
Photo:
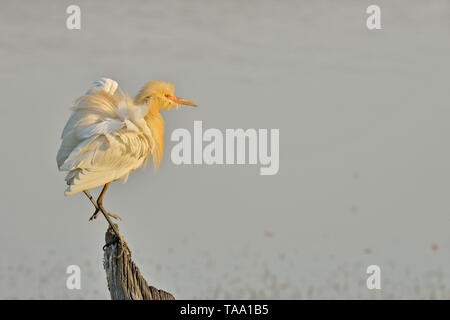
(109, 135)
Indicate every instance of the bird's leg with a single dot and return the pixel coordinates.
(90, 197)
(99, 206)
(100, 203)
(97, 209)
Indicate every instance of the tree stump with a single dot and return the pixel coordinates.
(125, 281)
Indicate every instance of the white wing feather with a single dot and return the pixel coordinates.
(105, 138)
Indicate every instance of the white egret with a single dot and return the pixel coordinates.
(109, 135)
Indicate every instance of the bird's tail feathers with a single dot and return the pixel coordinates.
(80, 180)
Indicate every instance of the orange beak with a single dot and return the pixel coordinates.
(181, 101)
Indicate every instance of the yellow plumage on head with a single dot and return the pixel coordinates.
(155, 93)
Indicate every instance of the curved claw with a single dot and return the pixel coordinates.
(95, 215)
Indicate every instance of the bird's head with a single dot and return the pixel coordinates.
(160, 96)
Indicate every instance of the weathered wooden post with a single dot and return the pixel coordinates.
(125, 281)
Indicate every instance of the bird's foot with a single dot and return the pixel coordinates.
(98, 212)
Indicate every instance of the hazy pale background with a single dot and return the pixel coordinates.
(364, 119)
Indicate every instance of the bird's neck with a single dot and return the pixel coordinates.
(156, 124)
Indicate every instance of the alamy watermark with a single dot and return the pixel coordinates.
(73, 21)
(373, 21)
(374, 279)
(74, 279)
(241, 146)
